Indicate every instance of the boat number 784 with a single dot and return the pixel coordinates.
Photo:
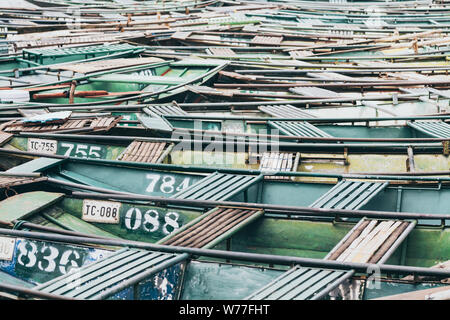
(166, 183)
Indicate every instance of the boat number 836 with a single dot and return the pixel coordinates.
(46, 258)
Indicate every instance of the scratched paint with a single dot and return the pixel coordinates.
(40, 261)
(162, 286)
(371, 163)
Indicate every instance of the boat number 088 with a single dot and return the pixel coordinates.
(167, 185)
(28, 257)
(150, 221)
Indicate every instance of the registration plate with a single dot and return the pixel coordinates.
(42, 146)
(101, 211)
(7, 248)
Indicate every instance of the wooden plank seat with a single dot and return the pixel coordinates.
(371, 241)
(143, 151)
(212, 227)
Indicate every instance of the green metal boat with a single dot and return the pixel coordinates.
(124, 273)
(157, 79)
(395, 193)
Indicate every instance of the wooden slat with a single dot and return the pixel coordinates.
(6, 182)
(104, 123)
(210, 227)
(4, 137)
(379, 254)
(141, 151)
(370, 240)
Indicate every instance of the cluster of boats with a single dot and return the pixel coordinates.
(224, 150)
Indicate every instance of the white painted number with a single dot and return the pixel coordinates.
(53, 253)
(93, 152)
(151, 217)
(184, 184)
(167, 185)
(171, 220)
(82, 150)
(150, 222)
(129, 217)
(69, 147)
(154, 179)
(27, 257)
(65, 259)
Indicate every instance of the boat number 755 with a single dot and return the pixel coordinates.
(82, 150)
